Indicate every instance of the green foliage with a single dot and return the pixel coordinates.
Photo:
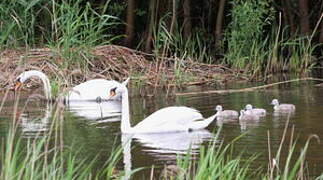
(245, 34)
(19, 22)
(174, 44)
(77, 25)
(301, 58)
(64, 24)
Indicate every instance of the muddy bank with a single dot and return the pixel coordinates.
(111, 62)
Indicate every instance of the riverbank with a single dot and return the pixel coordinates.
(112, 62)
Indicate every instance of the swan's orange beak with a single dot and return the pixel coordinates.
(112, 93)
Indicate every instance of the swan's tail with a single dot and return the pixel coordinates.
(204, 123)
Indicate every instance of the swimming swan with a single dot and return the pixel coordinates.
(226, 113)
(256, 111)
(89, 90)
(247, 117)
(169, 119)
(282, 107)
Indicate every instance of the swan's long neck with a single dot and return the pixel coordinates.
(125, 121)
(43, 78)
(204, 123)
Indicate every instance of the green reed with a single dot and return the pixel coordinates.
(220, 161)
(44, 156)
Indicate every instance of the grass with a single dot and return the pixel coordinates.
(47, 157)
(216, 161)
(44, 156)
(220, 161)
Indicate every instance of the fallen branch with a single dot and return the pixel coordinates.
(247, 89)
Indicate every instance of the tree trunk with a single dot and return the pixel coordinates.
(130, 23)
(289, 14)
(218, 26)
(149, 39)
(304, 21)
(187, 18)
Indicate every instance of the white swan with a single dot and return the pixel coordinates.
(89, 90)
(256, 111)
(226, 114)
(169, 119)
(282, 107)
(248, 117)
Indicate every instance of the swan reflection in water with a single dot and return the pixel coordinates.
(165, 146)
(105, 111)
(35, 126)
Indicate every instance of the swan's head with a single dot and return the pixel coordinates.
(218, 108)
(116, 91)
(18, 83)
(248, 107)
(274, 102)
(24, 76)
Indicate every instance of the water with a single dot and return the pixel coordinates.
(96, 130)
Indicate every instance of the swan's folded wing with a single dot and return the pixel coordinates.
(174, 115)
(92, 89)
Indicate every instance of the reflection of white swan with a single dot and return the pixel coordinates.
(176, 142)
(163, 144)
(90, 90)
(35, 126)
(103, 111)
(169, 119)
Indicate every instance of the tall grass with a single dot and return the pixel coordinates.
(255, 50)
(175, 44)
(217, 162)
(244, 35)
(46, 156)
(220, 161)
(20, 22)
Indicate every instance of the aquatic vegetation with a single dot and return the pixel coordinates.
(45, 156)
(223, 161)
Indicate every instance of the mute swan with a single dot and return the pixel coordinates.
(282, 107)
(247, 117)
(226, 114)
(169, 119)
(89, 90)
(256, 111)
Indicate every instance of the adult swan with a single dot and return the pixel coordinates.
(169, 119)
(87, 91)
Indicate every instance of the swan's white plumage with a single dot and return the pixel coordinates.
(92, 89)
(170, 119)
(87, 91)
(174, 118)
(282, 107)
(255, 111)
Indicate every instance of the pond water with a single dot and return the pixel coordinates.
(96, 129)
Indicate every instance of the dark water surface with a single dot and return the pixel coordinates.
(84, 126)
